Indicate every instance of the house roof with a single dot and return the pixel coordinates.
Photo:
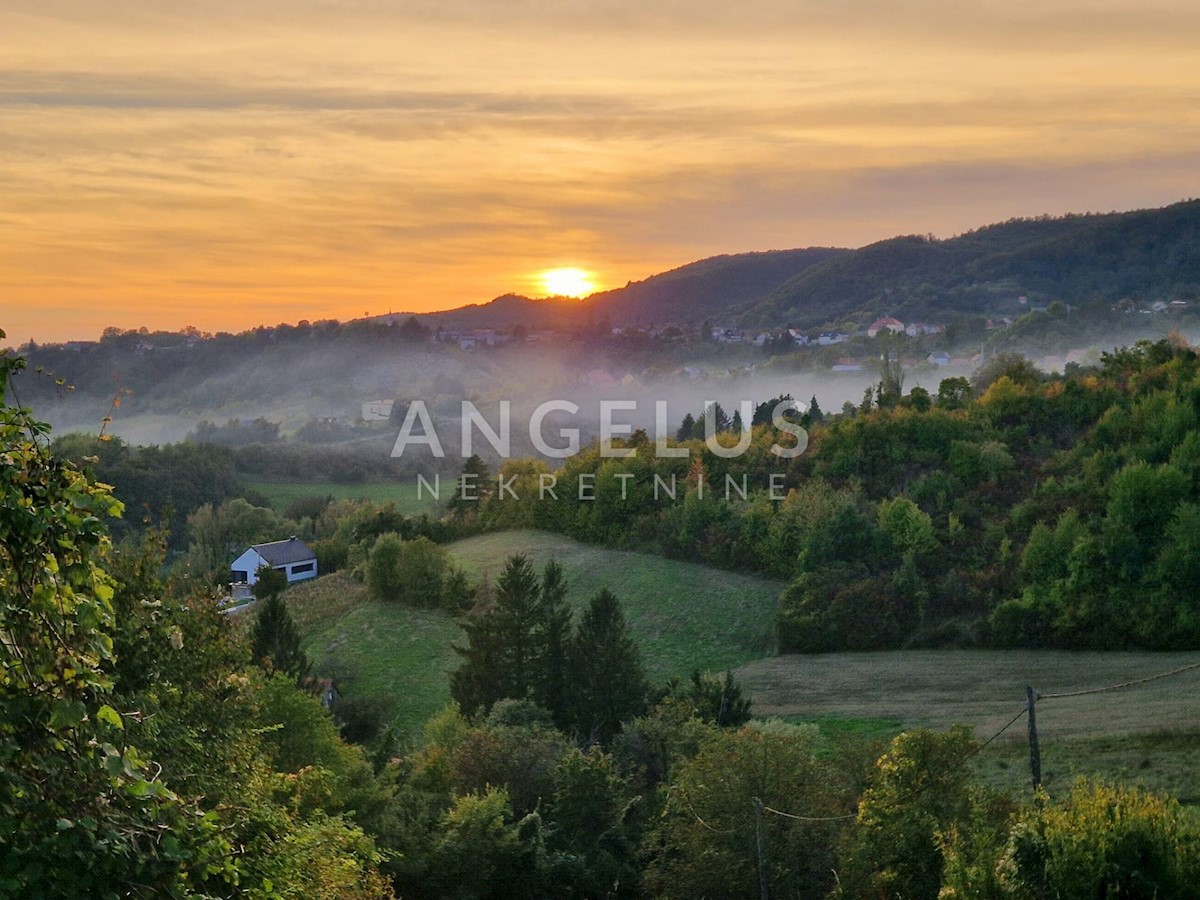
(282, 553)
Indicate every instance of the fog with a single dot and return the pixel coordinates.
(165, 391)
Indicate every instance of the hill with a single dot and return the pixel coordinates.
(684, 616)
(705, 289)
(1079, 259)
(1093, 258)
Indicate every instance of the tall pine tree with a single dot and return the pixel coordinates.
(554, 642)
(609, 682)
(502, 656)
(275, 642)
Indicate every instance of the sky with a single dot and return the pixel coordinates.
(228, 164)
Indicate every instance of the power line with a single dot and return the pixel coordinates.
(1117, 687)
(911, 794)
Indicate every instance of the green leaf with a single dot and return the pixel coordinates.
(110, 716)
(67, 714)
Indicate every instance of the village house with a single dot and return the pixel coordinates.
(847, 364)
(826, 338)
(293, 557)
(377, 410)
(939, 358)
(887, 323)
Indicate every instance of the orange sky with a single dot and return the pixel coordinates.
(228, 164)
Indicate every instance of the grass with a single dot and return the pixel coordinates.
(1148, 734)
(402, 493)
(683, 616)
(686, 616)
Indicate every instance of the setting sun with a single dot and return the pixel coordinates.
(569, 282)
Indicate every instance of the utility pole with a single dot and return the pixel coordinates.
(1035, 756)
(762, 853)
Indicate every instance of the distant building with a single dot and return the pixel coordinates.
(917, 329)
(825, 338)
(887, 323)
(325, 690)
(293, 557)
(939, 358)
(377, 410)
(847, 364)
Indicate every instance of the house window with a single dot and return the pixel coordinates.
(239, 575)
(302, 567)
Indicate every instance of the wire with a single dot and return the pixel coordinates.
(697, 815)
(1117, 687)
(911, 794)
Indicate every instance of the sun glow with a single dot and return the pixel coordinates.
(568, 282)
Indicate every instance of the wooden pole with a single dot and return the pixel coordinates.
(760, 840)
(1035, 756)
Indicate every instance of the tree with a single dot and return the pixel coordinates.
(708, 840)
(271, 582)
(918, 790)
(551, 686)
(609, 680)
(735, 424)
(275, 642)
(72, 787)
(502, 655)
(416, 572)
(954, 393)
(1104, 841)
(687, 428)
(815, 414)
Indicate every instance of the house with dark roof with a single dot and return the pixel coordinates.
(293, 557)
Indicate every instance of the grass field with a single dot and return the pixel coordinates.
(402, 493)
(1149, 733)
(683, 616)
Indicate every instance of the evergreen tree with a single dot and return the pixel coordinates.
(502, 655)
(554, 625)
(735, 424)
(815, 413)
(275, 642)
(609, 680)
(687, 429)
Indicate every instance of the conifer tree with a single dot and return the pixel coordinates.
(609, 682)
(275, 642)
(554, 633)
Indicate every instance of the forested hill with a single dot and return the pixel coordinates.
(706, 289)
(1144, 256)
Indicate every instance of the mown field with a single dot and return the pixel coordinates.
(1147, 733)
(402, 493)
(684, 617)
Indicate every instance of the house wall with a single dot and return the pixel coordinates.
(250, 562)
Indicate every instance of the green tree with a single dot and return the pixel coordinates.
(275, 643)
(503, 651)
(1104, 841)
(80, 815)
(706, 841)
(918, 790)
(609, 682)
(554, 627)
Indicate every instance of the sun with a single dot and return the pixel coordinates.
(568, 282)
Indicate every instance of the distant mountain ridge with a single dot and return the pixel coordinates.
(1143, 255)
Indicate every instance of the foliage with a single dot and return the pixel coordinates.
(275, 641)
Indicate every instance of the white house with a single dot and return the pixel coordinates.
(887, 323)
(377, 410)
(293, 557)
(939, 358)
